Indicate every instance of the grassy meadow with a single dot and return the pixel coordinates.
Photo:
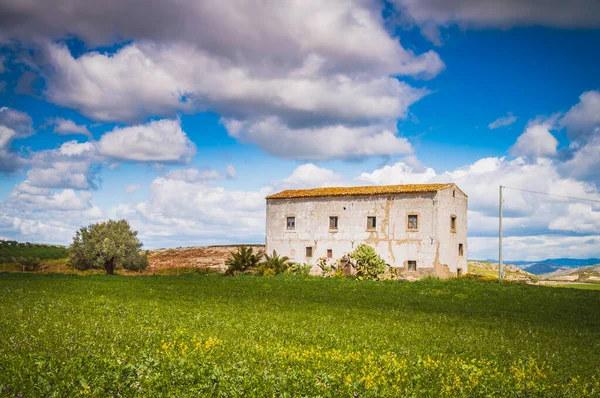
(210, 335)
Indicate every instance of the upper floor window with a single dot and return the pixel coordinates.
(291, 223)
(461, 251)
(412, 222)
(371, 222)
(333, 222)
(452, 223)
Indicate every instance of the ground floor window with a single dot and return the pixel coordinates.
(309, 252)
(460, 249)
(329, 253)
(412, 265)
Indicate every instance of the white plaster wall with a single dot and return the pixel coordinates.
(451, 201)
(391, 239)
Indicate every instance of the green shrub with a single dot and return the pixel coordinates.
(368, 264)
(273, 264)
(28, 263)
(299, 269)
(244, 260)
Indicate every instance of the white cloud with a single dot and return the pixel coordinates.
(337, 141)
(72, 165)
(503, 121)
(310, 176)
(583, 119)
(30, 197)
(399, 173)
(536, 141)
(67, 127)
(314, 68)
(581, 218)
(193, 175)
(156, 141)
(19, 122)
(14, 124)
(347, 35)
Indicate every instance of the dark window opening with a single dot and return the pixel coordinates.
(333, 222)
(291, 223)
(309, 252)
(412, 265)
(413, 222)
(454, 194)
(329, 253)
(452, 223)
(371, 222)
(460, 249)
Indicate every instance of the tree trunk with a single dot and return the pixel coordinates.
(110, 268)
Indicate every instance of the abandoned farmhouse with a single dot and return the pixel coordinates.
(417, 228)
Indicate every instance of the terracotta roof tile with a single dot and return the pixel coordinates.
(349, 191)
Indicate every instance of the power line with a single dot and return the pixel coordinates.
(550, 194)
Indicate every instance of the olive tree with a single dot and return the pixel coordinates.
(110, 245)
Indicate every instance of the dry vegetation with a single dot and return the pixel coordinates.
(210, 258)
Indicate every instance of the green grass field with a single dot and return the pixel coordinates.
(68, 335)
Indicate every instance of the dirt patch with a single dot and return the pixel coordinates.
(205, 257)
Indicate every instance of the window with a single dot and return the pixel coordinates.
(454, 194)
(452, 223)
(371, 222)
(333, 222)
(413, 222)
(460, 249)
(329, 253)
(412, 265)
(309, 252)
(291, 223)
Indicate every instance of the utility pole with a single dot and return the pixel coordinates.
(500, 237)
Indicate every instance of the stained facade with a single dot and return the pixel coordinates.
(418, 228)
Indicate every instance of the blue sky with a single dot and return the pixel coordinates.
(184, 128)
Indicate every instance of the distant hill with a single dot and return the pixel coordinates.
(589, 273)
(551, 265)
(10, 249)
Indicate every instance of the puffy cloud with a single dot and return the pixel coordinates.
(430, 14)
(27, 196)
(310, 176)
(584, 162)
(19, 122)
(314, 68)
(193, 175)
(399, 173)
(14, 124)
(581, 218)
(156, 141)
(503, 121)
(73, 165)
(184, 78)
(536, 141)
(583, 119)
(316, 143)
(347, 35)
(67, 127)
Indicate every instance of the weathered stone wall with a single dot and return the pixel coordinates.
(434, 249)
